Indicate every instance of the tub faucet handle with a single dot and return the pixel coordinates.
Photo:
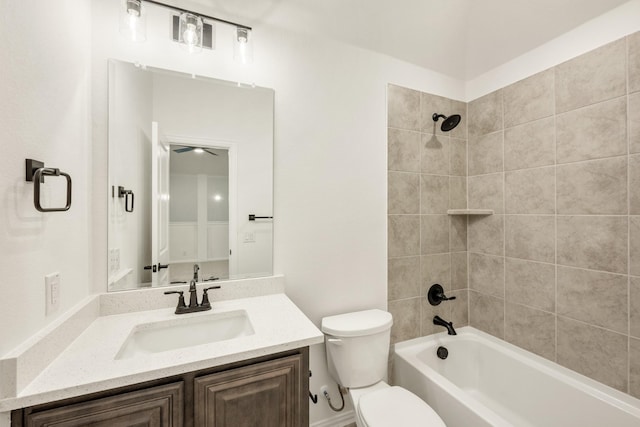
(436, 295)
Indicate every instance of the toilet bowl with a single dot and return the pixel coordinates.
(357, 346)
(382, 405)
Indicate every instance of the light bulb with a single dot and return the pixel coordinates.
(191, 32)
(132, 20)
(242, 46)
(198, 150)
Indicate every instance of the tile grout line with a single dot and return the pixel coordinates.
(533, 261)
(590, 105)
(468, 121)
(592, 325)
(572, 163)
(420, 223)
(555, 222)
(628, 219)
(504, 227)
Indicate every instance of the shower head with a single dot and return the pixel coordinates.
(449, 122)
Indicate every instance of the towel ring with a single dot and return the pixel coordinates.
(38, 179)
(128, 195)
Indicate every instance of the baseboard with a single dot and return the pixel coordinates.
(339, 420)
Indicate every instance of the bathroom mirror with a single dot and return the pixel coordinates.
(190, 178)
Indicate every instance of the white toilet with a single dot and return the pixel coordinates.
(357, 352)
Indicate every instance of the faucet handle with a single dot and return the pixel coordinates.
(205, 297)
(436, 295)
(181, 304)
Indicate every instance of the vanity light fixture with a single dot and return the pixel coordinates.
(193, 31)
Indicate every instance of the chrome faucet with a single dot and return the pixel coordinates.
(437, 320)
(196, 268)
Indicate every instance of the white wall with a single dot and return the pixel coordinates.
(45, 115)
(184, 203)
(597, 32)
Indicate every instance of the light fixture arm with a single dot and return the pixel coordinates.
(212, 18)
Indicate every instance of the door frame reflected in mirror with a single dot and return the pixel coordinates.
(232, 151)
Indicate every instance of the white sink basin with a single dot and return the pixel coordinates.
(176, 333)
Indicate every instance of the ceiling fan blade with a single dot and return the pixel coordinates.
(210, 152)
(182, 150)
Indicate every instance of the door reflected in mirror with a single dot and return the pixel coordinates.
(197, 155)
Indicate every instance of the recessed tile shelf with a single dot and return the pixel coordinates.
(470, 212)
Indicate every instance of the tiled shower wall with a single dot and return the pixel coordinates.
(556, 270)
(426, 176)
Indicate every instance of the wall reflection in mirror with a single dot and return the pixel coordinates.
(190, 159)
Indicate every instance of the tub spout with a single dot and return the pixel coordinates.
(437, 320)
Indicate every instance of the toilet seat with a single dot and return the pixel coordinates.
(396, 407)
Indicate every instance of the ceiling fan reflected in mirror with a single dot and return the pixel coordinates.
(198, 150)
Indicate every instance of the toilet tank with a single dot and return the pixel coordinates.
(357, 346)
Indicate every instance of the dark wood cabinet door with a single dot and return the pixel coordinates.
(267, 394)
(160, 406)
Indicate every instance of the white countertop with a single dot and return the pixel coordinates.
(88, 364)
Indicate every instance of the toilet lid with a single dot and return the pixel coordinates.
(396, 407)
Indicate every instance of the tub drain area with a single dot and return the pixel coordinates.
(442, 352)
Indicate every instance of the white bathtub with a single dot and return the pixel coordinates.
(488, 382)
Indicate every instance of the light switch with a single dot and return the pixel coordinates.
(52, 292)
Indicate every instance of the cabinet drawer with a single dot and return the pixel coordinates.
(160, 406)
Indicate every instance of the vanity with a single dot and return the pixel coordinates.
(152, 367)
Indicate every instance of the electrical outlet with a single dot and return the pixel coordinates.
(52, 292)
